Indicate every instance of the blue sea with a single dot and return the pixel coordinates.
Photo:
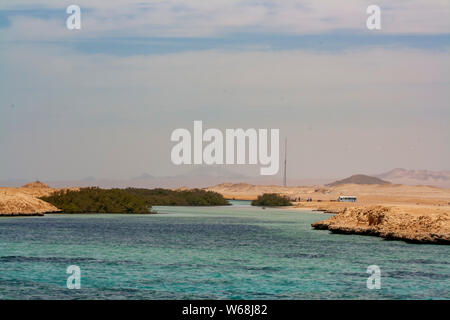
(234, 252)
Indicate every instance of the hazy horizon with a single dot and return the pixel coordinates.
(207, 176)
(102, 101)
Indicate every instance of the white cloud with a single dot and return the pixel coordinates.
(216, 17)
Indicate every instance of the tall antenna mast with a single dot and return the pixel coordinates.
(285, 160)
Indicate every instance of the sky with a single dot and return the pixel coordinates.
(103, 101)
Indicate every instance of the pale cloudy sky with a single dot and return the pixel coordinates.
(103, 101)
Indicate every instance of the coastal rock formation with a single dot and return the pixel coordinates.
(411, 213)
(390, 223)
(25, 200)
(16, 203)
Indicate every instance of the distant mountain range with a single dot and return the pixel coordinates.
(204, 176)
(358, 179)
(417, 177)
(401, 176)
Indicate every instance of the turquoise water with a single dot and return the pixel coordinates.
(237, 252)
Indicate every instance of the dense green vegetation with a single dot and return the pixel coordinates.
(271, 200)
(96, 200)
(193, 197)
(131, 200)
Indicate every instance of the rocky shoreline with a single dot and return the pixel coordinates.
(419, 214)
(25, 201)
(389, 223)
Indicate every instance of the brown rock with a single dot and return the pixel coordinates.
(23, 204)
(390, 223)
(25, 200)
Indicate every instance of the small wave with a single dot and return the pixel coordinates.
(67, 260)
(303, 255)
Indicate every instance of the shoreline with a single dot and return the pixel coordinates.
(323, 225)
(391, 223)
(36, 214)
(415, 214)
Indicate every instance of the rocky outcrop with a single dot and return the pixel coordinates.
(12, 204)
(25, 201)
(36, 185)
(390, 223)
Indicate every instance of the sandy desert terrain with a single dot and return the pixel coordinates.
(412, 213)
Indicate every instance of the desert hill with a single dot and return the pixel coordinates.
(36, 185)
(358, 179)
